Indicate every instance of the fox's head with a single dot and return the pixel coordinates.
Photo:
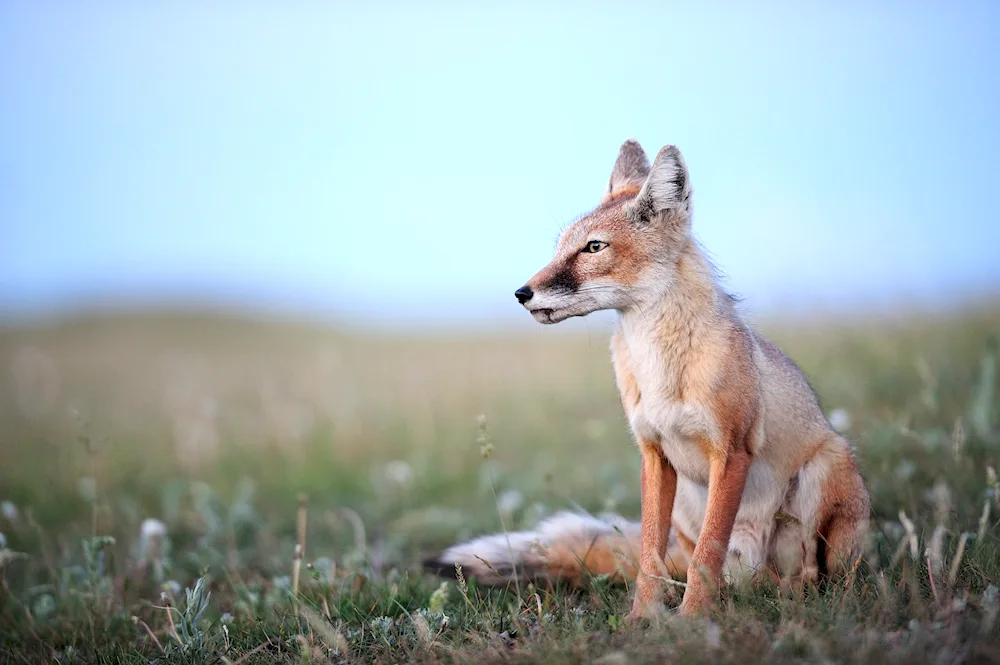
(625, 252)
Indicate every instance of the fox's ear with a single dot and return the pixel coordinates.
(630, 171)
(667, 189)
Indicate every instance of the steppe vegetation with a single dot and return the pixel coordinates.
(207, 489)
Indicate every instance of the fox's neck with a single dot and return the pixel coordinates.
(669, 331)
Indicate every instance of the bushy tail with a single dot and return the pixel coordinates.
(567, 546)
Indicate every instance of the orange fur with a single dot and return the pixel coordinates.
(659, 485)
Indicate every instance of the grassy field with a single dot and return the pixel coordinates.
(157, 472)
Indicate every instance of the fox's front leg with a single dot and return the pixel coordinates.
(659, 486)
(727, 477)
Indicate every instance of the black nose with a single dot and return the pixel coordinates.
(524, 294)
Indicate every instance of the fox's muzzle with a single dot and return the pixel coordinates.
(524, 294)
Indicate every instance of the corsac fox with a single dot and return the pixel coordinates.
(737, 455)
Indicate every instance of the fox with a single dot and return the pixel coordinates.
(742, 476)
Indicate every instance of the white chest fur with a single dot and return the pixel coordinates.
(682, 432)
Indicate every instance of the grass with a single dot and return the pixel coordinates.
(158, 473)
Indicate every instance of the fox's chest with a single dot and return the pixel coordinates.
(649, 381)
(682, 431)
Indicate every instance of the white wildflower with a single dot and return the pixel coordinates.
(324, 568)
(840, 419)
(398, 472)
(509, 501)
(152, 528)
(381, 625)
(9, 511)
(153, 546)
(43, 606)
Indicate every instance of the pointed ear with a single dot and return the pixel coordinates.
(630, 171)
(667, 189)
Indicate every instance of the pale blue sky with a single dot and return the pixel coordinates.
(416, 163)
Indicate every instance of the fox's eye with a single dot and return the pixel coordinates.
(594, 246)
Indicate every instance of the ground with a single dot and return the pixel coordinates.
(157, 471)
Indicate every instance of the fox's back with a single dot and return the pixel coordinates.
(794, 425)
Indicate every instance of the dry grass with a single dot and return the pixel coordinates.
(215, 425)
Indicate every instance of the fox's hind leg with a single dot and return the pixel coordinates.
(842, 541)
(844, 517)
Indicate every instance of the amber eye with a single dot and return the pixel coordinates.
(594, 246)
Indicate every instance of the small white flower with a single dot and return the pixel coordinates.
(324, 568)
(509, 501)
(840, 419)
(9, 511)
(153, 544)
(226, 618)
(43, 606)
(398, 472)
(152, 528)
(381, 625)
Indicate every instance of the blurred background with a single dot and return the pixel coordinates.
(408, 165)
(276, 248)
